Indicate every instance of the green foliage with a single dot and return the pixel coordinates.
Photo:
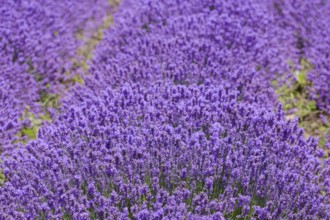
(30, 131)
(295, 98)
(301, 74)
(92, 214)
(2, 178)
(48, 100)
(67, 216)
(85, 52)
(218, 188)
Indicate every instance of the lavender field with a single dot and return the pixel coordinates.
(165, 109)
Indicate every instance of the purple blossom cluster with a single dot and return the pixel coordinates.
(176, 120)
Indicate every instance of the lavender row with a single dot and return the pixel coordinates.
(308, 22)
(166, 151)
(191, 41)
(38, 44)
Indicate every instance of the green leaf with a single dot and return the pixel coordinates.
(301, 77)
(311, 105)
(2, 178)
(30, 133)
